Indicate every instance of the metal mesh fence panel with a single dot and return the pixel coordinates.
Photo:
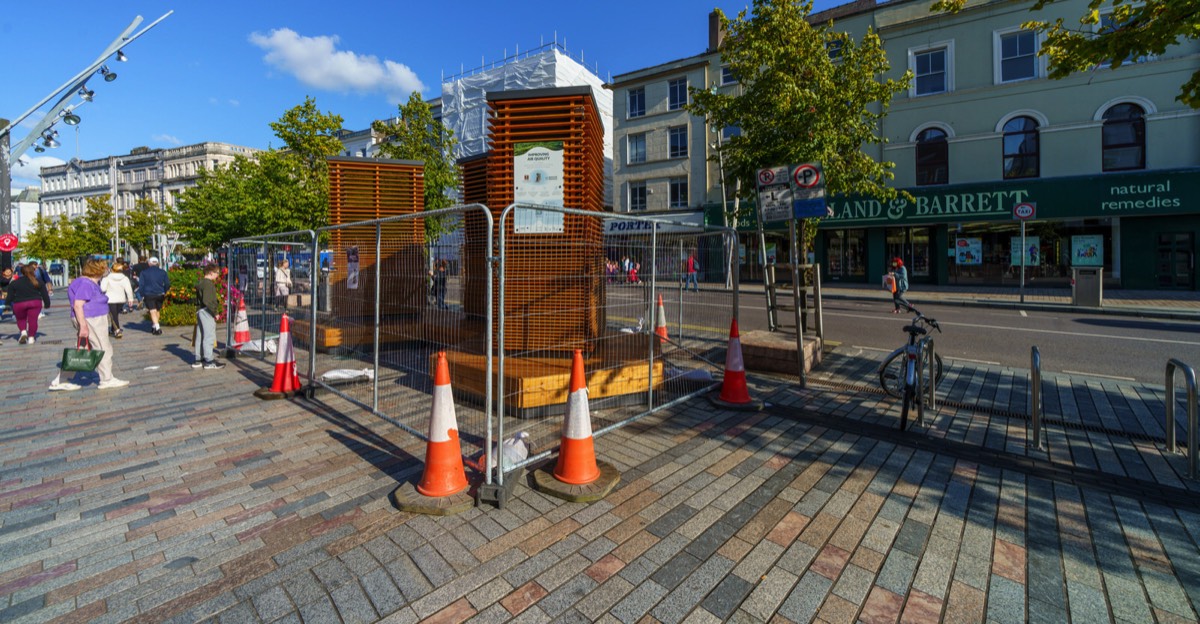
(564, 287)
(258, 294)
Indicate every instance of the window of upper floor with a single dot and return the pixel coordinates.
(677, 142)
(636, 148)
(635, 102)
(677, 94)
(1015, 51)
(933, 157)
(1109, 23)
(727, 77)
(1022, 149)
(678, 193)
(637, 196)
(1123, 141)
(933, 69)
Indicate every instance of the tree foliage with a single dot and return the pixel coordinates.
(416, 135)
(140, 225)
(42, 239)
(93, 234)
(1143, 28)
(806, 94)
(271, 191)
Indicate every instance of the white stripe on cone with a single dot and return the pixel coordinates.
(578, 423)
(733, 357)
(443, 419)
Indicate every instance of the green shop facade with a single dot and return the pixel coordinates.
(1142, 228)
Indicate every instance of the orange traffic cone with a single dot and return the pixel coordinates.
(660, 327)
(734, 393)
(241, 326)
(287, 381)
(577, 455)
(444, 474)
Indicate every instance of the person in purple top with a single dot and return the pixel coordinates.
(89, 313)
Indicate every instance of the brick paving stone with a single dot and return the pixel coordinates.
(600, 600)
(675, 606)
(272, 604)
(897, 572)
(458, 611)
(522, 597)
(806, 597)
(882, 606)
(638, 602)
(921, 607)
(1006, 601)
(965, 603)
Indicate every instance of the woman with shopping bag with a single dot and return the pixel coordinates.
(89, 313)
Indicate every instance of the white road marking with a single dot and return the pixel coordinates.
(1035, 331)
(1071, 372)
(961, 359)
(871, 349)
(1023, 313)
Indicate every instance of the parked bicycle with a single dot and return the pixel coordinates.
(901, 373)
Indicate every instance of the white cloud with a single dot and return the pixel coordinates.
(27, 169)
(235, 103)
(166, 138)
(316, 62)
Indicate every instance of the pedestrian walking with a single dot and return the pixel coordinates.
(900, 276)
(283, 283)
(206, 320)
(691, 268)
(441, 274)
(153, 283)
(27, 296)
(89, 313)
(119, 290)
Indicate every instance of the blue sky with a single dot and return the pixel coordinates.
(221, 70)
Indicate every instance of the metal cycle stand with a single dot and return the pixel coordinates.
(1035, 397)
(1189, 376)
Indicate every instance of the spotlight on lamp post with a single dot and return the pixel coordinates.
(86, 94)
(121, 56)
(70, 118)
(109, 75)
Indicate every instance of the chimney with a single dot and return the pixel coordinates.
(716, 34)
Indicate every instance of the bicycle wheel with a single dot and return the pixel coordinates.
(891, 375)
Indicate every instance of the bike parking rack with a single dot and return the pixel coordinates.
(1035, 396)
(928, 389)
(1189, 376)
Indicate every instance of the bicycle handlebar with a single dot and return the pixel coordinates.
(924, 319)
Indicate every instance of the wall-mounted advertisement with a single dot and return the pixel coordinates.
(968, 251)
(538, 179)
(1033, 257)
(1087, 251)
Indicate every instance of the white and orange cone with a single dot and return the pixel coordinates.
(734, 392)
(660, 327)
(286, 378)
(241, 326)
(444, 474)
(577, 453)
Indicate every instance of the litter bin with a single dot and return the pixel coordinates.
(1087, 286)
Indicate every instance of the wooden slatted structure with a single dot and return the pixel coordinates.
(362, 189)
(474, 256)
(555, 282)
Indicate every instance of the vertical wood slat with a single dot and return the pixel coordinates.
(366, 189)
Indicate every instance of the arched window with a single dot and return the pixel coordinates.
(1124, 138)
(1021, 149)
(933, 157)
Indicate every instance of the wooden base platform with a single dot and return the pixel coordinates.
(532, 385)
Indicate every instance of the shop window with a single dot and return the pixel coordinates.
(1124, 138)
(1021, 148)
(933, 157)
(637, 196)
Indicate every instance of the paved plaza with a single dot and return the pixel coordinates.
(182, 498)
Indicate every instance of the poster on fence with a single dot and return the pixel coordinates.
(1087, 251)
(538, 179)
(352, 268)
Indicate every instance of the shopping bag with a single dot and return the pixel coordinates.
(82, 358)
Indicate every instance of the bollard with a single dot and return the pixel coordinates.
(1035, 396)
(1189, 376)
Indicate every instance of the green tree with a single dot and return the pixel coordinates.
(807, 94)
(68, 242)
(93, 234)
(416, 135)
(271, 191)
(141, 224)
(41, 241)
(1137, 29)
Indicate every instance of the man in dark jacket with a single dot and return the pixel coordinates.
(153, 284)
(206, 320)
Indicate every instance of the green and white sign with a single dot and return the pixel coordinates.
(1033, 256)
(538, 180)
